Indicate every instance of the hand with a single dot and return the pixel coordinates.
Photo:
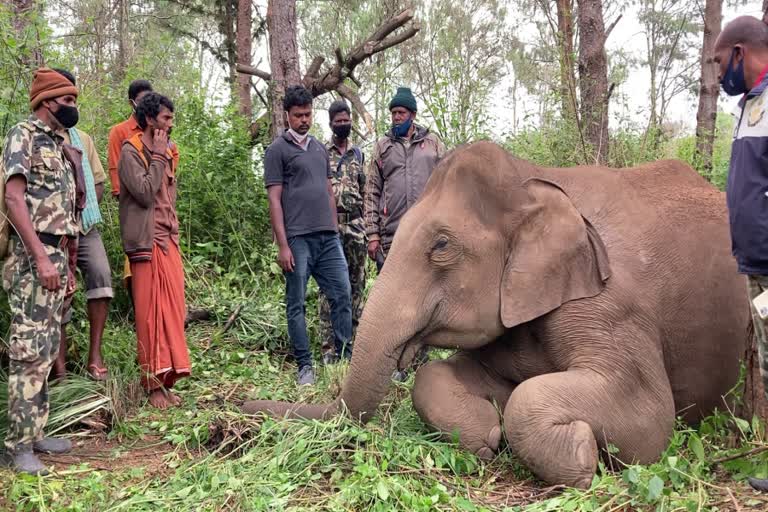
(49, 276)
(285, 259)
(373, 248)
(160, 142)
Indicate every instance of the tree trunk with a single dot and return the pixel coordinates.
(122, 48)
(753, 398)
(244, 16)
(709, 88)
(284, 57)
(565, 47)
(22, 9)
(593, 77)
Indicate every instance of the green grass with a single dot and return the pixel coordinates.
(207, 456)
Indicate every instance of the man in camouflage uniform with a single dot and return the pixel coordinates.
(42, 201)
(348, 181)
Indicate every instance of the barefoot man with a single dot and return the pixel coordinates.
(150, 232)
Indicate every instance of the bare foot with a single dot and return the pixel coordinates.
(174, 398)
(159, 399)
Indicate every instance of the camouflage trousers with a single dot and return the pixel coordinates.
(34, 342)
(755, 286)
(355, 251)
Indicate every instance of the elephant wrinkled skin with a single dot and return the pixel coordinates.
(589, 305)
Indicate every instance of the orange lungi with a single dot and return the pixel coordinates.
(158, 296)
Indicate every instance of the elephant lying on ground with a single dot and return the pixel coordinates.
(591, 305)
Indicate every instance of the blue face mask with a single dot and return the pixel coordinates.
(733, 81)
(401, 130)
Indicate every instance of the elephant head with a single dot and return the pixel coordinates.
(488, 246)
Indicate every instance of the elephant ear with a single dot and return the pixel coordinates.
(555, 256)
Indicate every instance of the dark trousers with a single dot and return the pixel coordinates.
(319, 255)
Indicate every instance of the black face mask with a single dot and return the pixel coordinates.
(341, 131)
(66, 115)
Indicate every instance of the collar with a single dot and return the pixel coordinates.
(133, 124)
(40, 125)
(758, 87)
(330, 146)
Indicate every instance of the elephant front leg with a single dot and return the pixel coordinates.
(556, 422)
(458, 395)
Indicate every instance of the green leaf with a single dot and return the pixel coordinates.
(742, 424)
(183, 493)
(655, 486)
(631, 476)
(695, 445)
(382, 491)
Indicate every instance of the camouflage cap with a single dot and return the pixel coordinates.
(48, 84)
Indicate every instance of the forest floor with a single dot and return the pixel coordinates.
(206, 455)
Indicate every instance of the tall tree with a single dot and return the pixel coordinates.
(284, 56)
(456, 62)
(593, 78)
(285, 71)
(670, 57)
(244, 50)
(24, 11)
(567, 69)
(709, 88)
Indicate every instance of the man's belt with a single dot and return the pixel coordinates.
(59, 241)
(346, 218)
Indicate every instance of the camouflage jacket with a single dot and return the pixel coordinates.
(347, 179)
(34, 151)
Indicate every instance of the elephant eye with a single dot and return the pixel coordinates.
(440, 244)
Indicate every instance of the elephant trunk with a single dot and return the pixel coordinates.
(384, 333)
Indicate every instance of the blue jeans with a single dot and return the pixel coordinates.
(321, 256)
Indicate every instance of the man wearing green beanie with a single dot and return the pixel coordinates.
(401, 163)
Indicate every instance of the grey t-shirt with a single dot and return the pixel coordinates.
(304, 176)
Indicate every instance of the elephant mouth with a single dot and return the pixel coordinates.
(408, 352)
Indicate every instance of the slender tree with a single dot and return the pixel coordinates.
(23, 11)
(244, 49)
(593, 78)
(709, 88)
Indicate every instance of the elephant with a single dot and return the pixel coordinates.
(587, 306)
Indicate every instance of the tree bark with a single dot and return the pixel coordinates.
(284, 57)
(753, 401)
(22, 9)
(244, 50)
(709, 88)
(122, 42)
(593, 77)
(567, 72)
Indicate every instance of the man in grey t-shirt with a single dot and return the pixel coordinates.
(302, 209)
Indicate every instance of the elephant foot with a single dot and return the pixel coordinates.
(583, 456)
(488, 452)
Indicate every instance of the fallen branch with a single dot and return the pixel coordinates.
(733, 499)
(754, 451)
(231, 319)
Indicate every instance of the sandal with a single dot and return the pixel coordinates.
(98, 373)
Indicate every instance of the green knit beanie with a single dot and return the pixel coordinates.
(403, 98)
